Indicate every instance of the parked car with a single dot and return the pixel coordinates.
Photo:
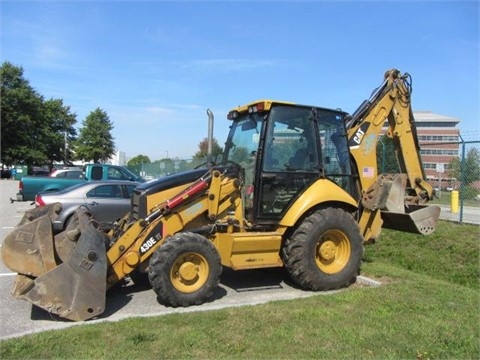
(29, 186)
(107, 200)
(73, 173)
(40, 173)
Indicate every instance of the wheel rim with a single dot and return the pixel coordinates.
(189, 272)
(333, 252)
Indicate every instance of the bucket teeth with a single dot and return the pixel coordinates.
(417, 219)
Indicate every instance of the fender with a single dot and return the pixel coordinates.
(321, 191)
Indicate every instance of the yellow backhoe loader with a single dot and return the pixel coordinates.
(298, 187)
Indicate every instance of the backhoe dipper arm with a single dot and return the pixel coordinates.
(391, 102)
(391, 200)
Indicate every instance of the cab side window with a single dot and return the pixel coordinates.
(335, 152)
(334, 149)
(114, 174)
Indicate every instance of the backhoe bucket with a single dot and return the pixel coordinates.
(65, 274)
(388, 195)
(418, 219)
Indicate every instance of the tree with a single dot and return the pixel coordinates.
(22, 140)
(61, 131)
(166, 165)
(139, 160)
(136, 163)
(387, 162)
(95, 142)
(33, 130)
(183, 165)
(203, 150)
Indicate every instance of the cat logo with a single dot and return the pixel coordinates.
(357, 138)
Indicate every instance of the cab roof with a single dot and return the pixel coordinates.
(266, 104)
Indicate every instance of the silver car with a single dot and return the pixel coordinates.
(108, 201)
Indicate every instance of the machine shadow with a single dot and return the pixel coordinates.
(117, 297)
(239, 281)
(256, 279)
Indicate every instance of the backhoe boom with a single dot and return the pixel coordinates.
(397, 195)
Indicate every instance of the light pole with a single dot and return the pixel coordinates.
(65, 148)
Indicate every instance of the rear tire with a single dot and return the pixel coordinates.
(325, 251)
(185, 270)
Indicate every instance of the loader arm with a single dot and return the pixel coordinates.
(69, 274)
(390, 199)
(210, 197)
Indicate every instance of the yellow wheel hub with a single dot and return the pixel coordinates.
(333, 252)
(327, 250)
(189, 272)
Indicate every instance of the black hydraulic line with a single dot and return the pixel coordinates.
(366, 105)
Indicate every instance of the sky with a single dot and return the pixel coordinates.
(156, 67)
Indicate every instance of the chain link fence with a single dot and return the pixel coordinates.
(165, 167)
(453, 169)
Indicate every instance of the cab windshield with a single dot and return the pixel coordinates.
(242, 142)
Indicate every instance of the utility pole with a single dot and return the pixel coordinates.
(65, 148)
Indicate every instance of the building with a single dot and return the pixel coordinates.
(118, 158)
(439, 140)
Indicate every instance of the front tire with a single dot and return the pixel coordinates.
(325, 251)
(185, 270)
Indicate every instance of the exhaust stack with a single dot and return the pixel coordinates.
(210, 139)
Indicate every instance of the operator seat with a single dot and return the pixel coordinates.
(298, 161)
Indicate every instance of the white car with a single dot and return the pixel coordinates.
(71, 173)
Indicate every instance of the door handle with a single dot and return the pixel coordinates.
(269, 178)
(93, 203)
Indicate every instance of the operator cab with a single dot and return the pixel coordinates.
(283, 149)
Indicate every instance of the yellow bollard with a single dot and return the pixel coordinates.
(454, 202)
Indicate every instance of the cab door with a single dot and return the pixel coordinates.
(290, 161)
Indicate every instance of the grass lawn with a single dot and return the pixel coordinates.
(426, 308)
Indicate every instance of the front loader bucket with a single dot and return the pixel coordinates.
(73, 284)
(418, 219)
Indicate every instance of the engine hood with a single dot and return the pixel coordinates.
(141, 193)
(170, 181)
